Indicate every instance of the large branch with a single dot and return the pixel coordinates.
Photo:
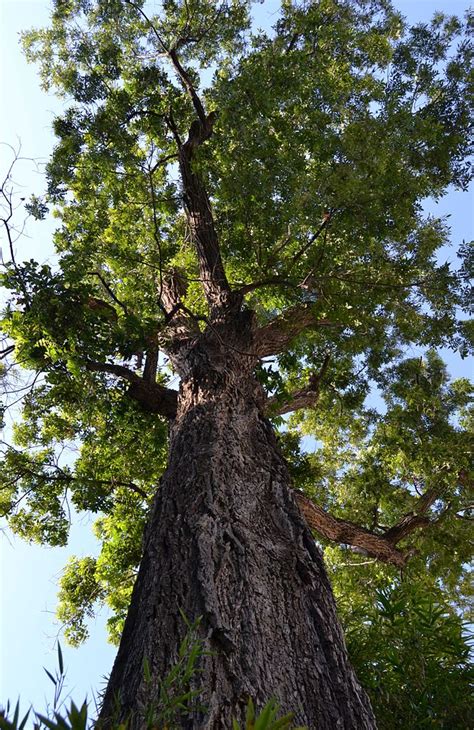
(196, 200)
(197, 203)
(151, 363)
(303, 398)
(348, 533)
(180, 323)
(152, 396)
(188, 85)
(274, 337)
(201, 221)
(382, 547)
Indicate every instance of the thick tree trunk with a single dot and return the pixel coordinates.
(226, 542)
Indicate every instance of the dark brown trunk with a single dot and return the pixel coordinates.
(226, 542)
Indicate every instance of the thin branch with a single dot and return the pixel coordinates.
(303, 249)
(152, 26)
(156, 235)
(65, 476)
(377, 285)
(163, 161)
(109, 290)
(204, 30)
(271, 281)
(173, 56)
(293, 41)
(7, 228)
(6, 351)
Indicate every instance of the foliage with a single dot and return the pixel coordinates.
(266, 720)
(332, 129)
(412, 653)
(74, 718)
(15, 723)
(374, 466)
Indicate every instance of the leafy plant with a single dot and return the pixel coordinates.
(15, 723)
(267, 719)
(174, 699)
(412, 653)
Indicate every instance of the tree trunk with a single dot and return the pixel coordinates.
(226, 542)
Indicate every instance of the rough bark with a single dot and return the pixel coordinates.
(226, 542)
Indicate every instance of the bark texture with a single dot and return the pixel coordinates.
(226, 541)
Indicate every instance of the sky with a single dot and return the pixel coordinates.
(29, 574)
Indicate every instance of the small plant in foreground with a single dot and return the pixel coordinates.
(266, 720)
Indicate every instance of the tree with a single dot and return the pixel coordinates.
(242, 210)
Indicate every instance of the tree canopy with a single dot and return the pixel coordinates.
(317, 143)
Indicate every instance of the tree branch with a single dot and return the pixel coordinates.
(109, 290)
(274, 337)
(151, 364)
(7, 196)
(171, 124)
(382, 547)
(308, 244)
(271, 281)
(188, 85)
(7, 351)
(180, 323)
(415, 519)
(152, 396)
(348, 533)
(201, 223)
(303, 398)
(108, 367)
(196, 200)
(68, 478)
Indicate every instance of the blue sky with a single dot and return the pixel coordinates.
(29, 574)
